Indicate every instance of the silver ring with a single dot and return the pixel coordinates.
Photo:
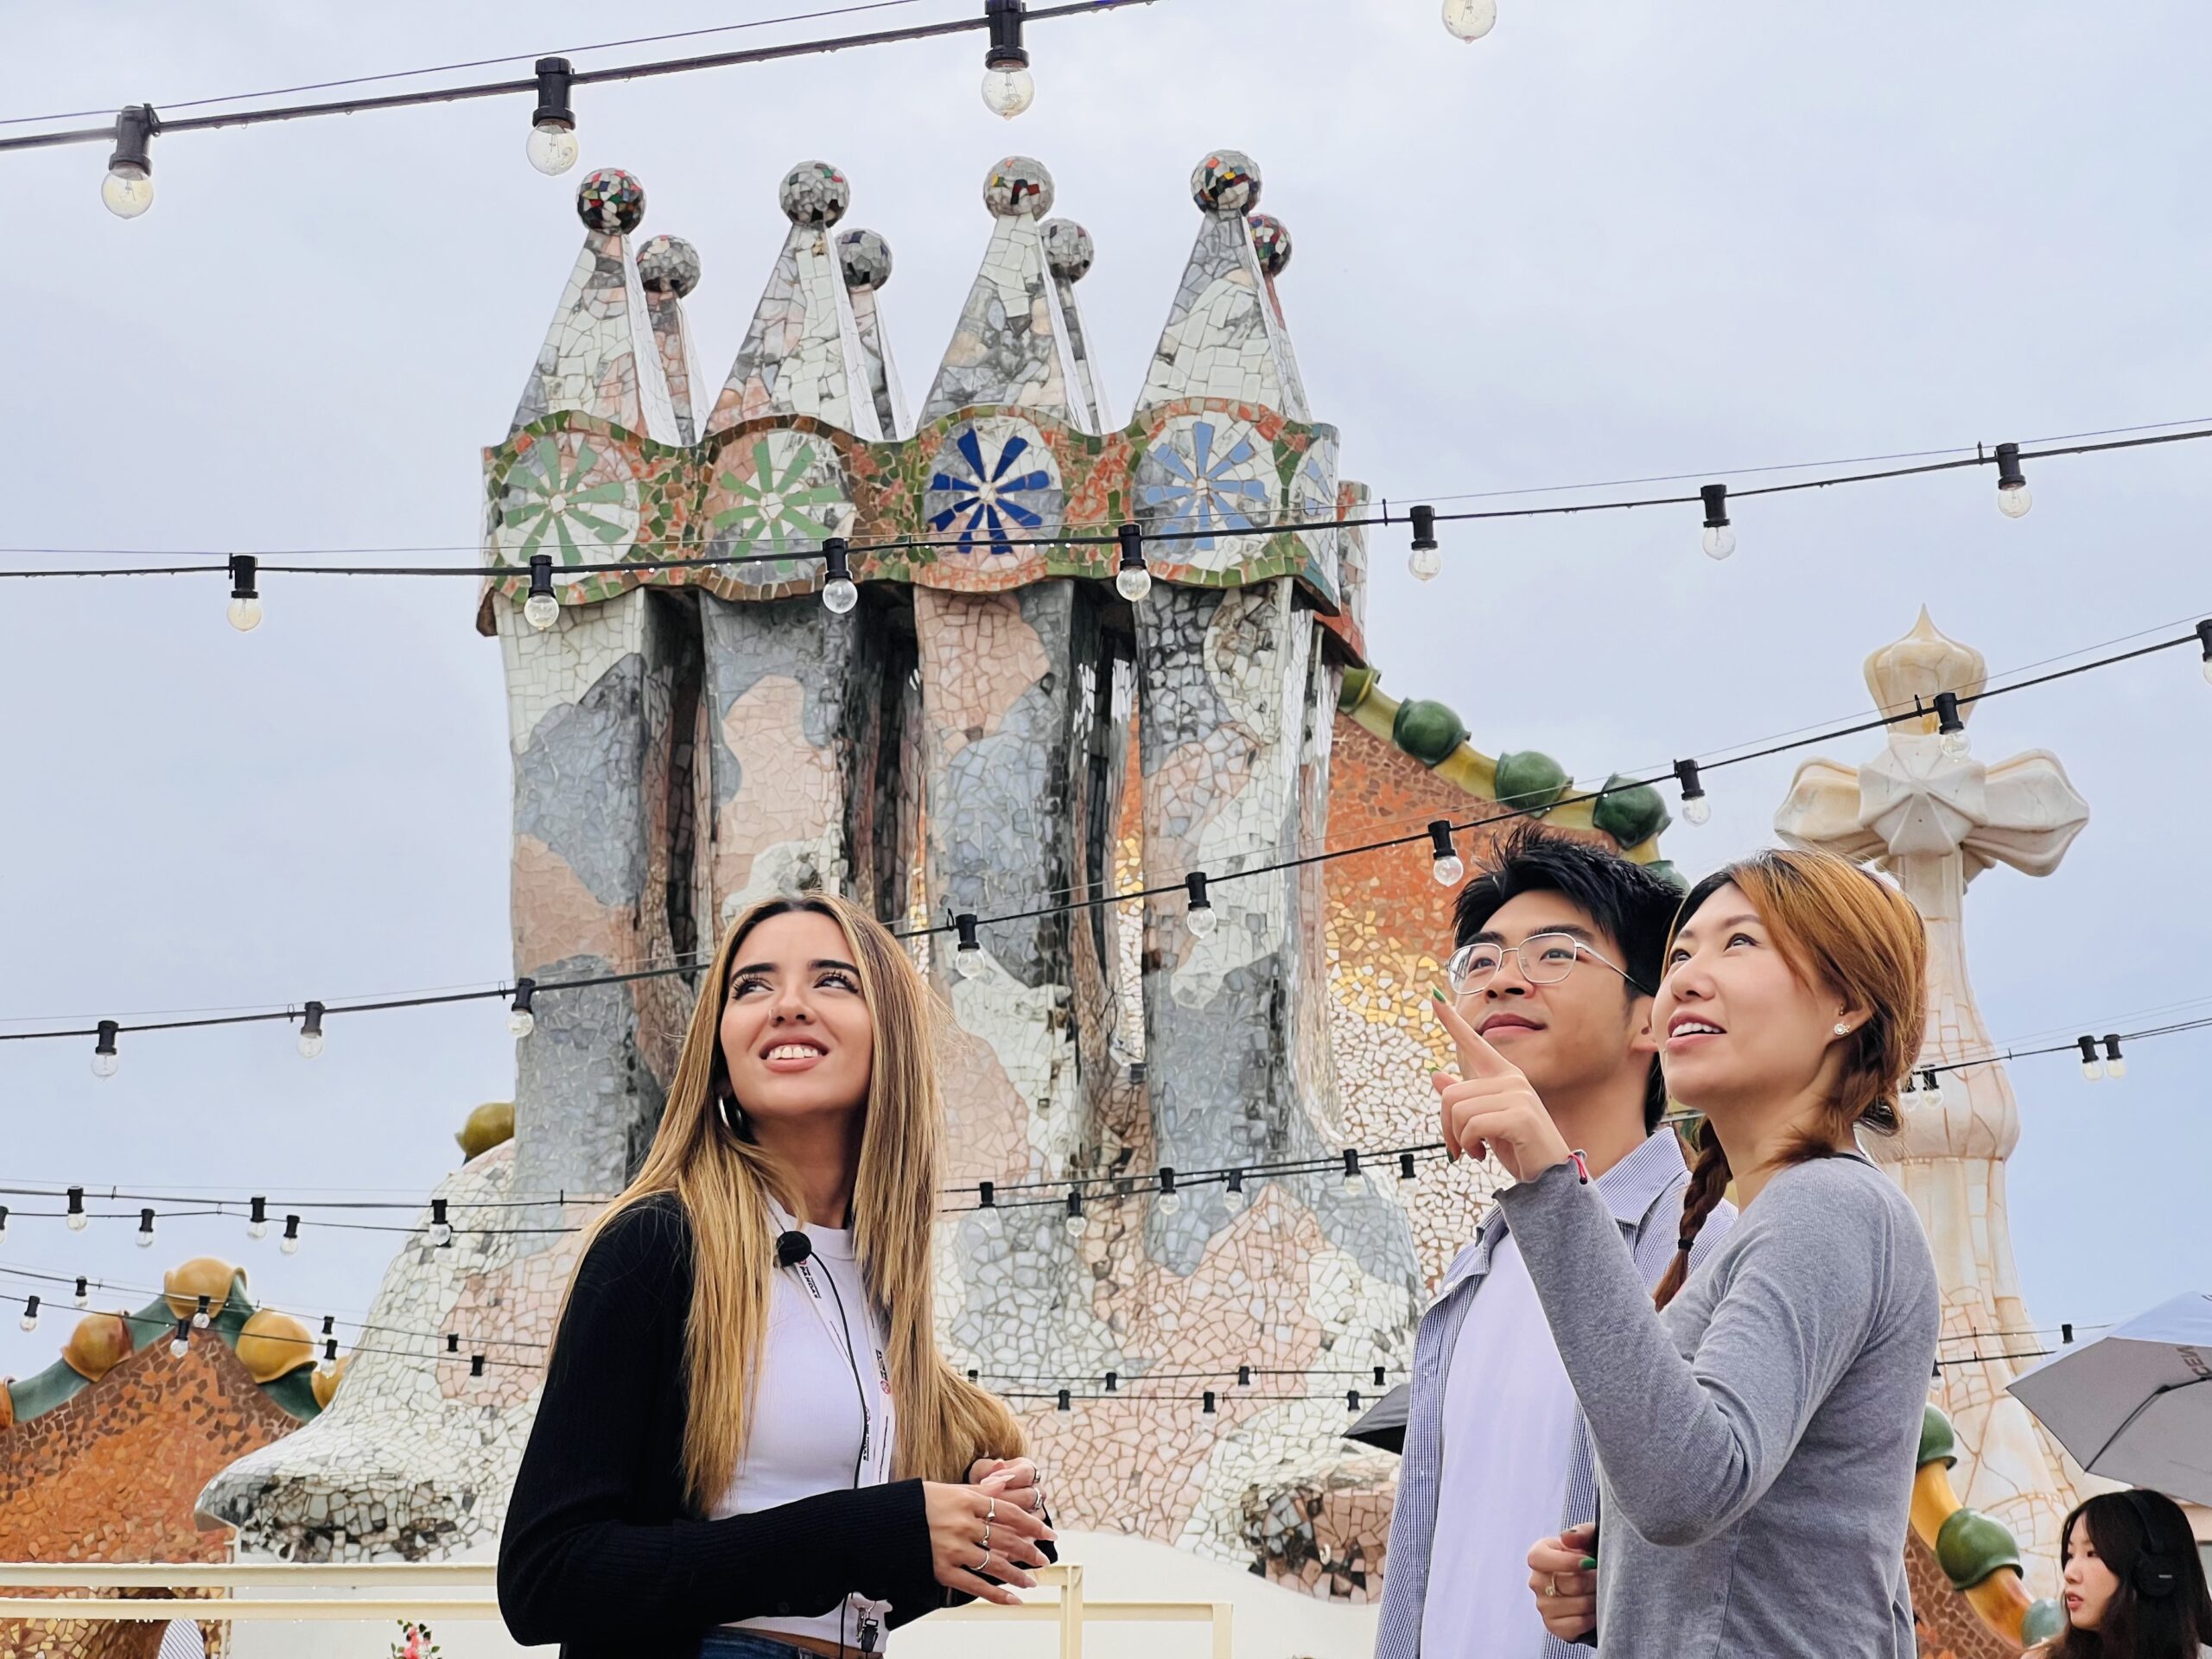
(990, 1515)
(987, 1539)
(981, 1565)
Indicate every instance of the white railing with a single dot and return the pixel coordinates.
(1071, 1610)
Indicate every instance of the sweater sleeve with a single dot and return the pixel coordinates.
(1689, 1444)
(581, 1559)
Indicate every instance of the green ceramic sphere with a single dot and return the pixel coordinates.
(1666, 872)
(1427, 731)
(1530, 781)
(1630, 813)
(2045, 1619)
(1937, 1443)
(1970, 1546)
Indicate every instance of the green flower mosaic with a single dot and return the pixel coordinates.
(784, 501)
(550, 508)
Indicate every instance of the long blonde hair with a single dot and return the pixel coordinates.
(1844, 928)
(724, 1184)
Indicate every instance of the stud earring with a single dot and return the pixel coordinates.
(1843, 1028)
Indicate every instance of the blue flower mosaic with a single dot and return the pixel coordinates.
(1205, 477)
(994, 479)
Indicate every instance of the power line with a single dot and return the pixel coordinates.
(576, 78)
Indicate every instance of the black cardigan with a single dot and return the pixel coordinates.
(600, 1552)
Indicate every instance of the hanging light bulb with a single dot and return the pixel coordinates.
(180, 1344)
(311, 1031)
(543, 608)
(104, 1059)
(1426, 560)
(203, 1315)
(1469, 20)
(1232, 1193)
(1947, 722)
(2093, 1064)
(1696, 807)
(128, 190)
(1007, 89)
(1243, 1376)
(968, 955)
(521, 1021)
(1064, 1403)
(1113, 1382)
(330, 1358)
(1133, 580)
(84, 1297)
(1352, 1168)
(3, 1221)
(145, 1230)
(1075, 1212)
(2013, 498)
(29, 1321)
(2115, 1067)
(839, 593)
(1445, 863)
(1379, 1374)
(245, 599)
(1169, 1200)
(476, 1361)
(551, 145)
(1931, 1086)
(440, 1229)
(291, 1241)
(1199, 916)
(986, 1206)
(1405, 1166)
(1719, 535)
(257, 1221)
(77, 1216)
(1206, 1400)
(2205, 638)
(1351, 1399)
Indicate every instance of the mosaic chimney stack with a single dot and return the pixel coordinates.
(1936, 820)
(685, 740)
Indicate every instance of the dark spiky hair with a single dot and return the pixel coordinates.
(1633, 906)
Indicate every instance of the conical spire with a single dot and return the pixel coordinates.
(668, 268)
(1224, 336)
(866, 257)
(802, 354)
(1010, 347)
(600, 357)
(1271, 246)
(1068, 253)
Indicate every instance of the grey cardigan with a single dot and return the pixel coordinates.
(1756, 1441)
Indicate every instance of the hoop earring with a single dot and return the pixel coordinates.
(733, 1116)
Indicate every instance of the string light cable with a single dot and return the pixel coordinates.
(1193, 885)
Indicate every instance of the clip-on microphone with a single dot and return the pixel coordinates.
(792, 1248)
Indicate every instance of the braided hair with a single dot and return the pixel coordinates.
(1841, 926)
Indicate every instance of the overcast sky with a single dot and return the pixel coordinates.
(1612, 240)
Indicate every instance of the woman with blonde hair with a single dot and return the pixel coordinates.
(1756, 1440)
(749, 1445)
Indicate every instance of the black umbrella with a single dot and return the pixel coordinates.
(1384, 1425)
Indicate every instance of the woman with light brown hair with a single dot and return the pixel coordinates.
(749, 1445)
(1756, 1431)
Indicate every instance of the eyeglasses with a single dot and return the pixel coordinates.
(1545, 959)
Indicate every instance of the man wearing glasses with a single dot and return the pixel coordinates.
(1560, 944)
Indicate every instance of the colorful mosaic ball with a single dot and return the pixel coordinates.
(1068, 249)
(1271, 242)
(814, 193)
(1019, 185)
(669, 264)
(611, 199)
(866, 257)
(1227, 182)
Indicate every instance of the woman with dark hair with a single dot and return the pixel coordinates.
(2134, 1585)
(1756, 1439)
(749, 1445)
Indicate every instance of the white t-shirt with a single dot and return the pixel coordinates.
(805, 1435)
(1508, 1432)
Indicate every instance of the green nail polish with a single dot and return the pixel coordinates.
(1589, 1563)
(1437, 993)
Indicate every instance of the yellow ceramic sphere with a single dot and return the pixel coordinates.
(98, 1345)
(273, 1344)
(325, 1383)
(204, 1275)
(490, 1125)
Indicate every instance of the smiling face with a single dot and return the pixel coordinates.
(2089, 1583)
(1737, 1023)
(1574, 1036)
(796, 1035)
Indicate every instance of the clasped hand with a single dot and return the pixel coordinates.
(1490, 1106)
(984, 1534)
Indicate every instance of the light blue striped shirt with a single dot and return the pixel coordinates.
(1644, 1192)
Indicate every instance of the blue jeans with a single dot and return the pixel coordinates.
(748, 1644)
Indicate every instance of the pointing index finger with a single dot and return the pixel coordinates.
(1477, 1057)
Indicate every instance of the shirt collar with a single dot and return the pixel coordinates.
(1630, 1188)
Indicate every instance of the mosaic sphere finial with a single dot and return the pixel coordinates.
(669, 264)
(866, 257)
(1019, 185)
(611, 199)
(1227, 182)
(814, 193)
(1068, 249)
(1271, 242)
